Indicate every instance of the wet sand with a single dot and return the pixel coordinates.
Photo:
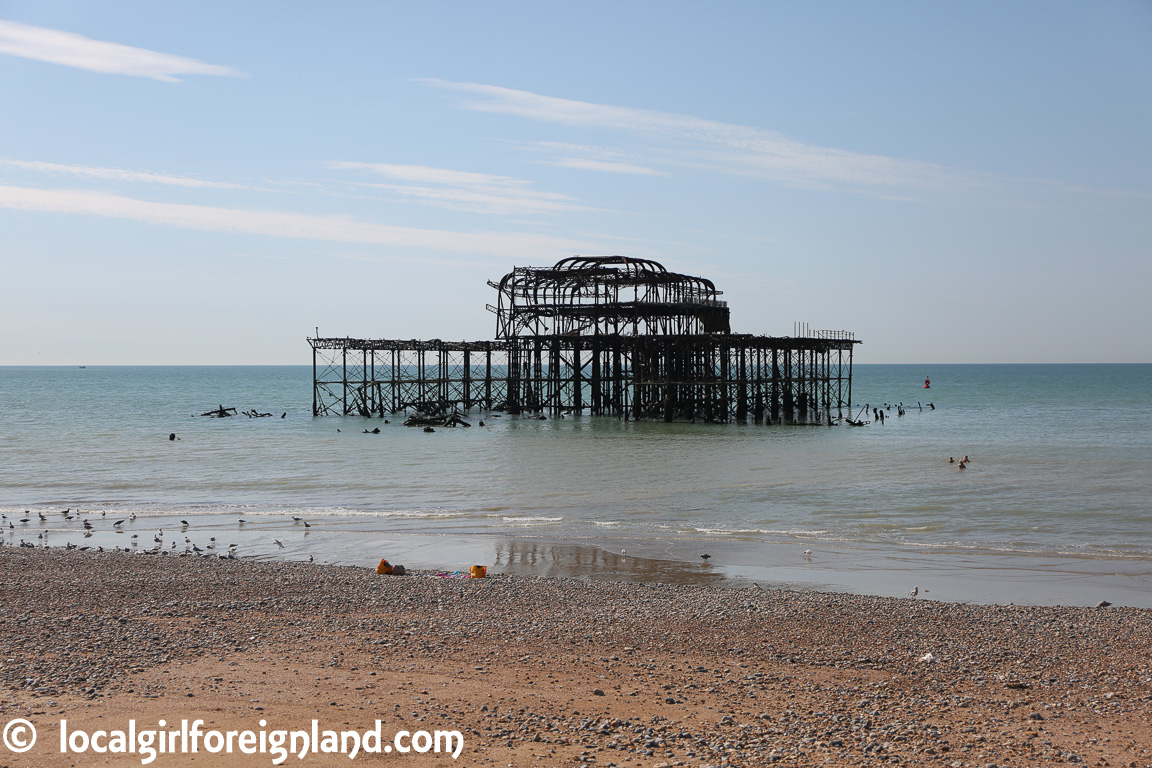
(559, 671)
(946, 574)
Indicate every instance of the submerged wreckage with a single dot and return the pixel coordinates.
(607, 336)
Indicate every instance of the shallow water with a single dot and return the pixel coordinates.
(1059, 474)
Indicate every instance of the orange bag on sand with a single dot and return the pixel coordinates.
(478, 571)
(385, 568)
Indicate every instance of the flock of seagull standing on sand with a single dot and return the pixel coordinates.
(158, 540)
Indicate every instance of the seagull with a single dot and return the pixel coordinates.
(624, 553)
(309, 558)
(297, 519)
(807, 551)
(279, 543)
(118, 522)
(307, 524)
(915, 591)
(705, 557)
(242, 521)
(184, 522)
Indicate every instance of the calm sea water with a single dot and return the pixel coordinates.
(1060, 467)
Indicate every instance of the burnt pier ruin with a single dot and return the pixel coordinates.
(603, 336)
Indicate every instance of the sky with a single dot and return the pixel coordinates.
(213, 182)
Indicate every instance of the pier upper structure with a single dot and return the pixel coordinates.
(605, 336)
(606, 296)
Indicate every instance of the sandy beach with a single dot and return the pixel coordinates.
(555, 671)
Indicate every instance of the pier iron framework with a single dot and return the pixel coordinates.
(605, 336)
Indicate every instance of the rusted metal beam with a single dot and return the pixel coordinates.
(604, 335)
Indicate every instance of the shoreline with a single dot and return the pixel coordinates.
(946, 574)
(950, 574)
(558, 671)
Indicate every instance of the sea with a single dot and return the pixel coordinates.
(1053, 507)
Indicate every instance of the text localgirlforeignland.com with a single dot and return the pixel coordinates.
(192, 738)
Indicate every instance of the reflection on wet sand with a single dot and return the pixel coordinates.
(526, 557)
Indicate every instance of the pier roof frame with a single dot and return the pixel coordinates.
(606, 295)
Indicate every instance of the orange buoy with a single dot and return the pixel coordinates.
(927, 383)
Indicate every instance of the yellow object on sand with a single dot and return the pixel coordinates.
(479, 571)
(385, 568)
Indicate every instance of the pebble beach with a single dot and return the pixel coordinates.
(549, 671)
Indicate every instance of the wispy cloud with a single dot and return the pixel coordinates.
(592, 158)
(588, 164)
(283, 224)
(687, 141)
(113, 174)
(72, 50)
(464, 190)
